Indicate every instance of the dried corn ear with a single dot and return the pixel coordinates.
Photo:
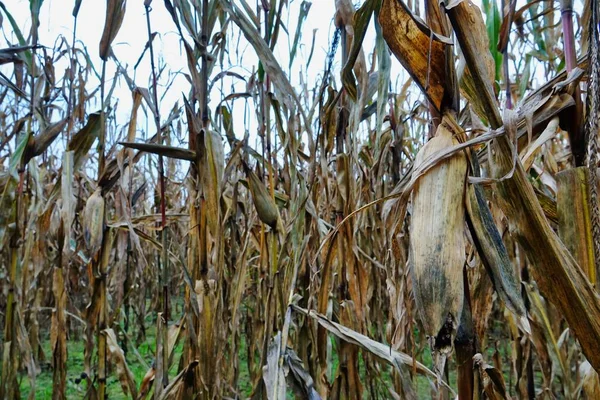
(437, 242)
(263, 202)
(93, 221)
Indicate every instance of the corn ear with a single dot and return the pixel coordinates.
(93, 221)
(437, 243)
(263, 202)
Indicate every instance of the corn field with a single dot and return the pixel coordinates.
(415, 217)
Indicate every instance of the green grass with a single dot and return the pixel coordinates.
(76, 387)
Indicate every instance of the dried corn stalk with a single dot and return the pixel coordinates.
(437, 243)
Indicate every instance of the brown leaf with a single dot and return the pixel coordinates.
(591, 383)
(382, 351)
(115, 12)
(182, 385)
(161, 149)
(493, 381)
(146, 384)
(492, 251)
(417, 47)
(118, 359)
(273, 374)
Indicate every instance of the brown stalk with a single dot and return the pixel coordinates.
(592, 126)
(576, 133)
(98, 260)
(164, 260)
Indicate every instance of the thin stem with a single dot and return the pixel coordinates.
(576, 134)
(164, 276)
(102, 355)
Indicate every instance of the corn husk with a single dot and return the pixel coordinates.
(93, 221)
(263, 202)
(437, 242)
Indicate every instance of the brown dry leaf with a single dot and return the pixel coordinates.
(174, 335)
(591, 383)
(493, 382)
(437, 242)
(8, 184)
(118, 359)
(382, 351)
(115, 12)
(355, 26)
(298, 376)
(493, 253)
(183, 384)
(67, 209)
(472, 36)
(58, 336)
(44, 140)
(417, 47)
(82, 141)
(555, 271)
(146, 384)
(273, 373)
(161, 149)
(530, 151)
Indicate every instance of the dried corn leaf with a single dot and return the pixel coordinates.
(299, 377)
(163, 150)
(590, 383)
(493, 382)
(273, 373)
(118, 360)
(69, 203)
(380, 350)
(146, 384)
(82, 141)
(8, 185)
(268, 60)
(115, 12)
(492, 251)
(58, 336)
(183, 384)
(44, 140)
(360, 23)
(420, 50)
(528, 153)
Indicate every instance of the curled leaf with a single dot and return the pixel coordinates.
(420, 50)
(115, 11)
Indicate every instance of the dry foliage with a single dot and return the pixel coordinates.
(327, 243)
